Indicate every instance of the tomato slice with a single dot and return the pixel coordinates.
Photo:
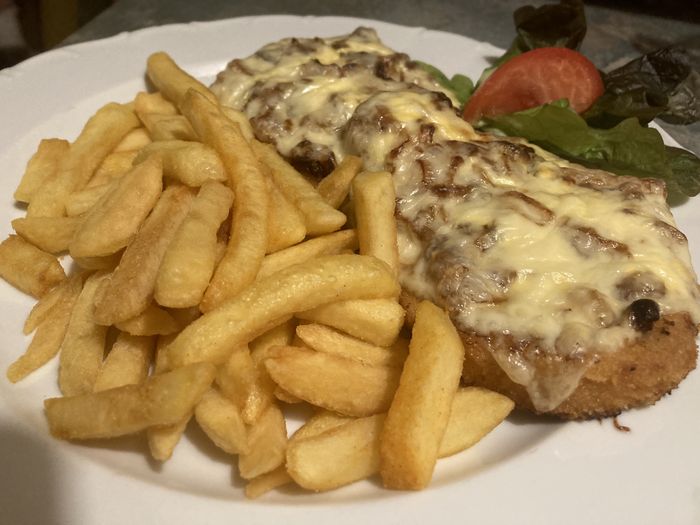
(535, 78)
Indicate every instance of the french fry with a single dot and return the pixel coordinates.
(191, 163)
(28, 268)
(377, 321)
(319, 216)
(173, 82)
(285, 226)
(118, 215)
(81, 202)
(353, 447)
(419, 413)
(41, 167)
(325, 339)
(335, 186)
(221, 421)
(42, 308)
(271, 301)
(153, 103)
(263, 483)
(333, 382)
(331, 244)
(268, 443)
(50, 234)
(84, 344)
(133, 141)
(107, 263)
(152, 321)
(129, 289)
(248, 239)
(167, 127)
(239, 118)
(189, 260)
(280, 335)
(102, 132)
(116, 165)
(161, 400)
(319, 423)
(375, 199)
(127, 363)
(50, 332)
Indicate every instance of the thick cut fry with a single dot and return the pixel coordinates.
(268, 444)
(173, 82)
(133, 141)
(419, 413)
(221, 420)
(336, 457)
(248, 239)
(50, 333)
(331, 244)
(153, 103)
(319, 423)
(28, 268)
(129, 289)
(98, 138)
(324, 339)
(43, 307)
(285, 227)
(117, 216)
(84, 344)
(474, 413)
(332, 382)
(375, 199)
(116, 165)
(377, 321)
(41, 167)
(191, 163)
(81, 202)
(51, 234)
(152, 321)
(334, 188)
(263, 483)
(188, 263)
(127, 362)
(161, 400)
(239, 118)
(162, 440)
(240, 381)
(280, 335)
(319, 216)
(167, 127)
(107, 263)
(271, 301)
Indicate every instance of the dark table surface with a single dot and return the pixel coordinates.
(614, 35)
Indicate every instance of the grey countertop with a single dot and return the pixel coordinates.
(614, 36)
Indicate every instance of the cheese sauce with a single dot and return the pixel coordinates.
(543, 256)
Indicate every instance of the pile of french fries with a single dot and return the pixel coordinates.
(211, 281)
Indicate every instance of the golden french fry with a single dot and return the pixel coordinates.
(334, 187)
(325, 339)
(286, 224)
(474, 413)
(127, 363)
(153, 103)
(133, 141)
(331, 244)
(239, 118)
(339, 456)
(41, 167)
(376, 321)
(28, 268)
(221, 420)
(189, 260)
(167, 127)
(129, 289)
(51, 234)
(191, 163)
(161, 400)
(263, 483)
(84, 344)
(268, 443)
(173, 82)
(107, 263)
(375, 199)
(162, 440)
(280, 335)
(116, 165)
(240, 381)
(101, 134)
(270, 301)
(248, 239)
(118, 215)
(319, 216)
(319, 423)
(50, 332)
(333, 382)
(419, 413)
(44, 305)
(81, 202)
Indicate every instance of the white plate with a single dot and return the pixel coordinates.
(528, 471)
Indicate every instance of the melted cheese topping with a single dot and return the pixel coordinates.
(542, 256)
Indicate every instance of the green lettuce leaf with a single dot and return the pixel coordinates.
(460, 85)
